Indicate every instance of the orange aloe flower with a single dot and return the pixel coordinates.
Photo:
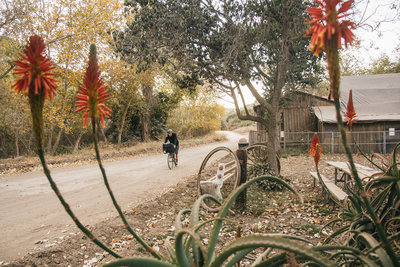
(316, 149)
(34, 69)
(92, 95)
(326, 24)
(350, 116)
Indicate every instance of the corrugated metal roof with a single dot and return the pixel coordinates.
(375, 98)
(327, 114)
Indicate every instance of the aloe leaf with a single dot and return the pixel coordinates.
(381, 181)
(381, 196)
(334, 247)
(276, 260)
(270, 242)
(358, 259)
(229, 201)
(354, 201)
(345, 250)
(336, 233)
(238, 256)
(394, 161)
(291, 237)
(194, 221)
(170, 249)
(178, 219)
(369, 241)
(310, 263)
(329, 223)
(181, 255)
(135, 262)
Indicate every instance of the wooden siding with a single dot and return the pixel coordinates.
(297, 116)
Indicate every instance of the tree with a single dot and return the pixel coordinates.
(231, 44)
(68, 28)
(197, 115)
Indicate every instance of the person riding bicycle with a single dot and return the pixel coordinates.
(173, 139)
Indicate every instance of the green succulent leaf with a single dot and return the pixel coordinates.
(238, 256)
(276, 260)
(298, 248)
(370, 242)
(229, 201)
(336, 233)
(139, 262)
(178, 219)
(181, 255)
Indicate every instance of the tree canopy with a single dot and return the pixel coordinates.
(234, 45)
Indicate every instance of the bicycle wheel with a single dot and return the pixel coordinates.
(171, 160)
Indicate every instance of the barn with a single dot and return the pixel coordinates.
(377, 104)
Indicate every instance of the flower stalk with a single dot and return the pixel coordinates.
(37, 82)
(91, 98)
(327, 32)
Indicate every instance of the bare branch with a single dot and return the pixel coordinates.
(244, 117)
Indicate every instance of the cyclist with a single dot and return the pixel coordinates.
(173, 139)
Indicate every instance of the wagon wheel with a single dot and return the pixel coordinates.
(257, 159)
(208, 171)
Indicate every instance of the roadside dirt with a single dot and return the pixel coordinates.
(268, 212)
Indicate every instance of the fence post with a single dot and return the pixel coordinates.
(284, 141)
(384, 142)
(332, 142)
(241, 200)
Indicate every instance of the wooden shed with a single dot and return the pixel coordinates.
(377, 105)
(297, 114)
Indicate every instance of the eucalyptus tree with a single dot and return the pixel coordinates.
(234, 45)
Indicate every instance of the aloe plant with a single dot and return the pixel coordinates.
(189, 250)
(384, 194)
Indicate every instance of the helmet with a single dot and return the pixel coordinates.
(169, 131)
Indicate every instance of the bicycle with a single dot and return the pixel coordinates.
(171, 159)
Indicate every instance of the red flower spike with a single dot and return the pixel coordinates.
(34, 70)
(350, 116)
(326, 24)
(92, 95)
(316, 149)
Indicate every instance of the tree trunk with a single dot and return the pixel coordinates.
(16, 144)
(101, 131)
(77, 142)
(273, 127)
(123, 119)
(57, 142)
(146, 116)
(50, 141)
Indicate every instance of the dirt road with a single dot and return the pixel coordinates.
(30, 212)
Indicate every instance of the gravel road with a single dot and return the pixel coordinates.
(30, 211)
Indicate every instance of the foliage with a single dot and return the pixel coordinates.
(197, 115)
(231, 44)
(231, 121)
(259, 169)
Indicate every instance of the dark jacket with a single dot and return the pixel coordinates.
(173, 139)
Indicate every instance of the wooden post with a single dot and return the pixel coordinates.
(241, 200)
